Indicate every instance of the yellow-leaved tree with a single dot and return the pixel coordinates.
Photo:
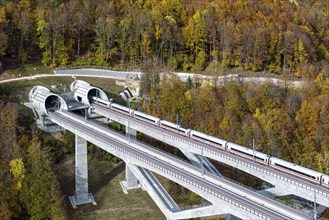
(17, 169)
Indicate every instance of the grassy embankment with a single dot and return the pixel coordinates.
(27, 70)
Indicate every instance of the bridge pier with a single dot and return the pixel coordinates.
(164, 201)
(81, 195)
(320, 210)
(273, 192)
(130, 132)
(202, 162)
(130, 181)
(231, 217)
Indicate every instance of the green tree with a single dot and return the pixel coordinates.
(42, 199)
(125, 42)
(200, 61)
(105, 37)
(195, 37)
(23, 21)
(17, 169)
(3, 35)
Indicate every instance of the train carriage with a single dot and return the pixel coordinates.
(207, 138)
(244, 151)
(298, 170)
(146, 117)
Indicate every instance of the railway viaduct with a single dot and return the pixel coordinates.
(55, 112)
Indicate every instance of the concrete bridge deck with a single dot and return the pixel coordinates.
(285, 183)
(205, 184)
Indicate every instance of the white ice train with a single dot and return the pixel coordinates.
(120, 108)
(207, 138)
(263, 158)
(146, 117)
(244, 151)
(300, 171)
(224, 145)
(172, 126)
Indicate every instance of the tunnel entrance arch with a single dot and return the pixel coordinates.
(83, 92)
(43, 100)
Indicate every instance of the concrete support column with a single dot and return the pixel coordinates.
(192, 157)
(130, 181)
(130, 133)
(231, 217)
(131, 178)
(81, 195)
(202, 162)
(274, 191)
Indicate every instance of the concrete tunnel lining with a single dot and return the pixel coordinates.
(83, 92)
(55, 102)
(96, 92)
(43, 100)
(52, 102)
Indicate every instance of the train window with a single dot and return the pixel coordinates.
(251, 155)
(205, 139)
(295, 170)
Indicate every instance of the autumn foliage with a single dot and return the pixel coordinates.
(286, 122)
(27, 184)
(280, 36)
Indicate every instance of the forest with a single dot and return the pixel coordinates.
(288, 37)
(29, 189)
(286, 122)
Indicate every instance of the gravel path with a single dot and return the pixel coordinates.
(99, 72)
